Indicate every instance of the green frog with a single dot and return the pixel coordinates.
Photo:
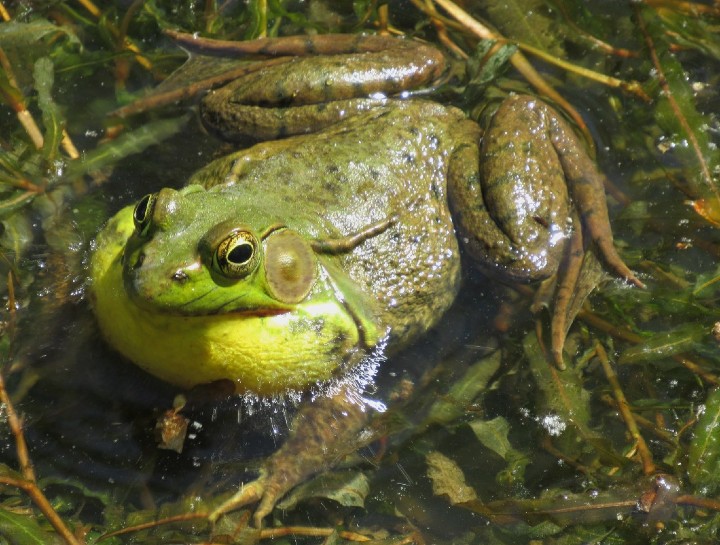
(282, 266)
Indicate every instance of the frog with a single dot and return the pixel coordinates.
(343, 232)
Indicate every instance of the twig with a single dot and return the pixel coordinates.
(37, 496)
(17, 101)
(124, 41)
(598, 323)
(26, 467)
(642, 421)
(633, 87)
(272, 533)
(154, 524)
(518, 60)
(625, 412)
(4, 14)
(687, 8)
(28, 482)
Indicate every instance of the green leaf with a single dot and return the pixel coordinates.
(483, 70)
(665, 344)
(24, 43)
(704, 453)
(15, 34)
(690, 32)
(563, 406)
(52, 120)
(677, 114)
(128, 144)
(527, 21)
(23, 530)
(448, 479)
(348, 488)
(463, 392)
(493, 434)
(564, 403)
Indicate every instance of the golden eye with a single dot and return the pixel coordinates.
(237, 255)
(142, 215)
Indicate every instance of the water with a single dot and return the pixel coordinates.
(528, 440)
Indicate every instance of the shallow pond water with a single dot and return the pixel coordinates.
(483, 440)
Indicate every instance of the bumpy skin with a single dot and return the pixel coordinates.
(364, 207)
(328, 187)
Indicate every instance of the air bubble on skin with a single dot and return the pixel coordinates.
(355, 383)
(556, 235)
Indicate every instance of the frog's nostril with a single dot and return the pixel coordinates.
(541, 221)
(180, 277)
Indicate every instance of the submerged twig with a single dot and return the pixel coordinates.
(519, 61)
(16, 100)
(642, 421)
(4, 14)
(28, 484)
(624, 408)
(595, 321)
(694, 9)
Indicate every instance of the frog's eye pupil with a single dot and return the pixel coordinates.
(240, 254)
(237, 255)
(142, 215)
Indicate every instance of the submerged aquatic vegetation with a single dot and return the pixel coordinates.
(488, 442)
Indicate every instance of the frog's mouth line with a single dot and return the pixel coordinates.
(194, 307)
(178, 310)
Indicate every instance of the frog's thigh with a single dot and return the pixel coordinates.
(585, 181)
(509, 222)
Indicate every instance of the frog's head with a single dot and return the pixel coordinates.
(196, 286)
(196, 252)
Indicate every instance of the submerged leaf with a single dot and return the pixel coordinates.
(704, 453)
(665, 344)
(128, 144)
(528, 21)
(448, 479)
(493, 434)
(348, 488)
(23, 530)
(562, 398)
(677, 114)
(52, 120)
(16, 34)
(463, 392)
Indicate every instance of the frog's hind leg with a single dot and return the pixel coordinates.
(587, 185)
(564, 294)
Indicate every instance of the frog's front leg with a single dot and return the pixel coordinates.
(323, 432)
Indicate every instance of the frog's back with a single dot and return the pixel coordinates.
(389, 163)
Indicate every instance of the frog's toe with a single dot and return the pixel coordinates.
(248, 493)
